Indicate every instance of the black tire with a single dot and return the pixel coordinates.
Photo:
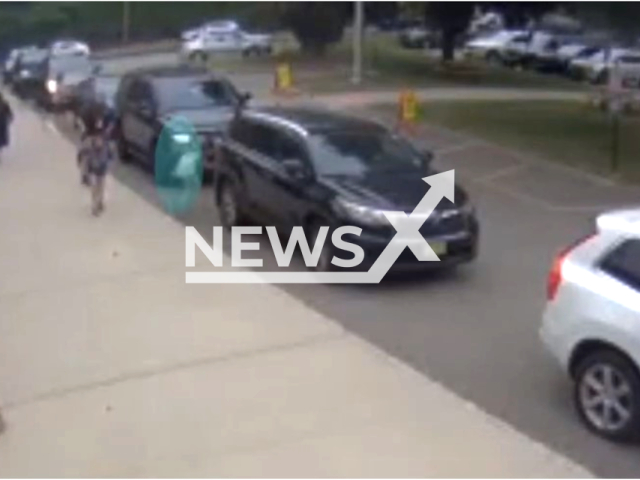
(228, 204)
(623, 430)
(602, 78)
(324, 262)
(493, 58)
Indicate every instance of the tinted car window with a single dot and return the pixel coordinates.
(106, 87)
(289, 148)
(188, 93)
(588, 52)
(134, 90)
(261, 138)
(624, 263)
(358, 152)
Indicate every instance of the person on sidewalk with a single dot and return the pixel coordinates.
(96, 156)
(6, 117)
(93, 127)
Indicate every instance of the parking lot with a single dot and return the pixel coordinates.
(474, 330)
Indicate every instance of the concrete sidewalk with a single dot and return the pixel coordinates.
(111, 366)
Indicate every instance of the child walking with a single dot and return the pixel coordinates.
(96, 157)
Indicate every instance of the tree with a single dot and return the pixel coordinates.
(316, 25)
(452, 20)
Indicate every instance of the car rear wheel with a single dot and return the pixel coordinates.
(493, 58)
(228, 204)
(607, 395)
(324, 262)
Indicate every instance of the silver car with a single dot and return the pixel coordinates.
(591, 323)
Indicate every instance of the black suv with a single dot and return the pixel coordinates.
(301, 167)
(60, 77)
(28, 72)
(147, 99)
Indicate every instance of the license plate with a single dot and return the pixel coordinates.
(439, 248)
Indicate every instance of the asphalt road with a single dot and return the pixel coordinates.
(474, 330)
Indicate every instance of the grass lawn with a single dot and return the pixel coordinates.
(387, 65)
(569, 132)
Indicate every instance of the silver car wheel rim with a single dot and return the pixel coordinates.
(606, 397)
(229, 208)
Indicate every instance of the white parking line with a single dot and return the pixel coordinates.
(502, 172)
(456, 148)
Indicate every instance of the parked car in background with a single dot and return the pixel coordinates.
(147, 99)
(97, 90)
(69, 47)
(225, 38)
(591, 323)
(28, 72)
(596, 67)
(533, 50)
(559, 60)
(492, 47)
(8, 67)
(61, 75)
(311, 168)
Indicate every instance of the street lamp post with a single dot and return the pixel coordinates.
(126, 18)
(358, 26)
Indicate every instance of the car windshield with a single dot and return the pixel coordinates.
(187, 94)
(71, 63)
(500, 36)
(589, 52)
(32, 59)
(355, 153)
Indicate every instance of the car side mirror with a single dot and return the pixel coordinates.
(296, 169)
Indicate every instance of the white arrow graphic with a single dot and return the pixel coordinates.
(407, 236)
(408, 226)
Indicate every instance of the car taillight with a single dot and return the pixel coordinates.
(555, 274)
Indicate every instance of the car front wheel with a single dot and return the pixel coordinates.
(607, 395)
(123, 149)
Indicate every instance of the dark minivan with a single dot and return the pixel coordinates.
(310, 168)
(148, 99)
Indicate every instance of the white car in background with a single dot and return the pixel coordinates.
(225, 39)
(492, 47)
(69, 47)
(596, 67)
(591, 324)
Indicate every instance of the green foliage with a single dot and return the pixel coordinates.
(316, 25)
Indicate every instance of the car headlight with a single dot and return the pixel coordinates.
(360, 214)
(52, 86)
